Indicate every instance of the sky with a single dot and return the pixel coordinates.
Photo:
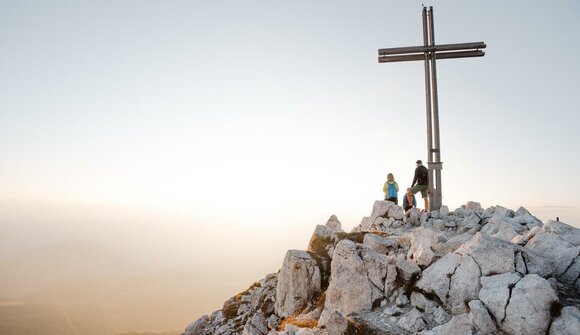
(248, 123)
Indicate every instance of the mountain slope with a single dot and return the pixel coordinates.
(470, 271)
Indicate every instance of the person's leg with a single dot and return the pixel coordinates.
(425, 195)
(424, 190)
(415, 189)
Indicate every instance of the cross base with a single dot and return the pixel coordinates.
(435, 194)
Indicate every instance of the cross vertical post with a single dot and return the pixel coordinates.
(434, 163)
(429, 53)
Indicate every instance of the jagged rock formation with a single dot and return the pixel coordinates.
(469, 271)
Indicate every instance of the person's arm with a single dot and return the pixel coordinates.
(385, 188)
(397, 186)
(416, 177)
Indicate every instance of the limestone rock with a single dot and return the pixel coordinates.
(458, 325)
(450, 224)
(364, 225)
(505, 232)
(380, 221)
(480, 318)
(380, 209)
(421, 302)
(299, 282)
(564, 231)
(560, 251)
(392, 223)
(519, 239)
(337, 324)
(528, 311)
(412, 321)
(502, 212)
(532, 232)
(526, 236)
(490, 228)
(401, 300)
(439, 224)
(380, 244)
(572, 273)
(407, 270)
(520, 264)
(440, 316)
(536, 263)
(273, 321)
(462, 212)
(488, 212)
(435, 279)
(257, 325)
(473, 206)
(413, 216)
(396, 212)
(452, 244)
(390, 279)
(304, 331)
(348, 267)
(404, 241)
(435, 214)
(568, 323)
(231, 307)
(495, 292)
(333, 223)
(471, 221)
(322, 240)
(421, 241)
(443, 212)
(524, 217)
(198, 327)
(376, 269)
(464, 285)
(424, 217)
(291, 329)
(493, 255)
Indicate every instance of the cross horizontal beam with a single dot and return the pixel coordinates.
(421, 56)
(436, 48)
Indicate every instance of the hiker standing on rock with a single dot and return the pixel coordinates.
(422, 183)
(390, 189)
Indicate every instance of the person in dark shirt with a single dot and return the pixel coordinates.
(421, 183)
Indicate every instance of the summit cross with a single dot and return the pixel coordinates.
(429, 52)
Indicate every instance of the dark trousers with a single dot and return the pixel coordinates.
(395, 200)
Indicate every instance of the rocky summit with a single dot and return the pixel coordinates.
(467, 271)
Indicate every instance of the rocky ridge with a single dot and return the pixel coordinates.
(469, 271)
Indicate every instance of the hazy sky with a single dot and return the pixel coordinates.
(263, 118)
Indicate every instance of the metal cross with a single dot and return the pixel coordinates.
(429, 53)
